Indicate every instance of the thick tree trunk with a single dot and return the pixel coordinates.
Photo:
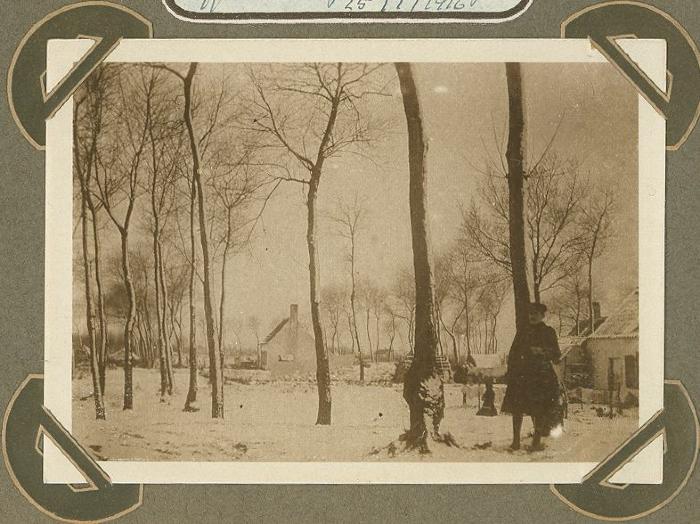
(193, 385)
(535, 279)
(323, 374)
(423, 385)
(516, 208)
(216, 375)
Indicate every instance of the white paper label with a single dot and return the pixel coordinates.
(380, 10)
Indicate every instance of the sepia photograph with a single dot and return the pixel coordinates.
(404, 254)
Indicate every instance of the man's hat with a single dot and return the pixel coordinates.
(540, 308)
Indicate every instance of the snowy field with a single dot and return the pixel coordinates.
(274, 421)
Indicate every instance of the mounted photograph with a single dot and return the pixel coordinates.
(367, 261)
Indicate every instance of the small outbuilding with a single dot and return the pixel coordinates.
(289, 349)
(605, 363)
(614, 351)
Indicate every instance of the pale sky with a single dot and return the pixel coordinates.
(465, 113)
(461, 105)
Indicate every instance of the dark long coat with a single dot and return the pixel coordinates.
(533, 387)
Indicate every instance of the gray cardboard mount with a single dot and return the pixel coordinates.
(21, 295)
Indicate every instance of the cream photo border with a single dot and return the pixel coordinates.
(649, 55)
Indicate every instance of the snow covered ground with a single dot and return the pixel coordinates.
(274, 421)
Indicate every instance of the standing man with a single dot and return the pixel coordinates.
(533, 386)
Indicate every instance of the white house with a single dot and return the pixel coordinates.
(614, 350)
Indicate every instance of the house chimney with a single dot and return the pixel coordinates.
(596, 311)
(294, 316)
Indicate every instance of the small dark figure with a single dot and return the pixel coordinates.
(488, 408)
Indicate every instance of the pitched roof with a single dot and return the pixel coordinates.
(274, 332)
(624, 322)
(584, 327)
(567, 344)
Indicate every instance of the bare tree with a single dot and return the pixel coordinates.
(423, 384)
(516, 176)
(334, 123)
(117, 180)
(91, 120)
(390, 325)
(221, 196)
(334, 299)
(366, 291)
(349, 219)
(546, 209)
(176, 275)
(569, 303)
(404, 293)
(187, 249)
(372, 297)
(193, 386)
(236, 325)
(445, 291)
(553, 194)
(216, 374)
(166, 144)
(212, 147)
(235, 184)
(83, 171)
(466, 277)
(377, 299)
(596, 228)
(184, 241)
(488, 304)
(141, 265)
(351, 332)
